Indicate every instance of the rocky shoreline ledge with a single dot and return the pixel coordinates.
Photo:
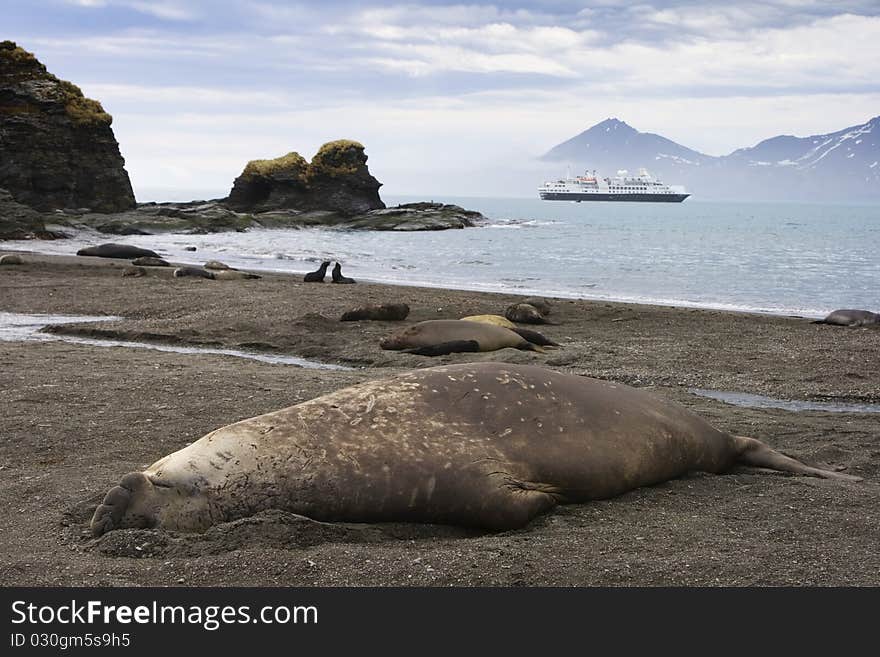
(62, 169)
(199, 217)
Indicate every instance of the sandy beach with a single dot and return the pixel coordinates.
(77, 417)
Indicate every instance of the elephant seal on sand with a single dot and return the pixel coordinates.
(124, 251)
(195, 272)
(150, 262)
(388, 312)
(437, 337)
(532, 336)
(851, 318)
(525, 314)
(11, 259)
(497, 320)
(487, 445)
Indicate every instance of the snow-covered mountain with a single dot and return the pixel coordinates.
(843, 165)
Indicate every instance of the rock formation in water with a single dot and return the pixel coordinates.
(58, 150)
(336, 180)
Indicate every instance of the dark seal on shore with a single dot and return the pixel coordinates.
(124, 251)
(337, 276)
(486, 445)
(848, 317)
(318, 275)
(387, 312)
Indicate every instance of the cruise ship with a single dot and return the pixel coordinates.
(622, 187)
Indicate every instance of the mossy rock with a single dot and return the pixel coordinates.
(292, 163)
(338, 158)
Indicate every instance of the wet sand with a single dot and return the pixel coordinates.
(77, 417)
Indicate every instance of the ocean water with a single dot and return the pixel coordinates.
(779, 258)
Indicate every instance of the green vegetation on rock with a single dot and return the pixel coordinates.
(293, 162)
(338, 158)
(82, 110)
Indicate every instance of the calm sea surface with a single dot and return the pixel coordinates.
(783, 258)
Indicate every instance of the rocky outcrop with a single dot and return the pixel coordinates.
(337, 180)
(19, 222)
(215, 217)
(58, 150)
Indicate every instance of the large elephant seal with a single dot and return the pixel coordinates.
(487, 445)
(437, 337)
(124, 251)
(851, 318)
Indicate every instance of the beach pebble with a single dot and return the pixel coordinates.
(189, 248)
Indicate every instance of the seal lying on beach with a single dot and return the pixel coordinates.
(532, 336)
(124, 251)
(851, 318)
(437, 337)
(388, 312)
(488, 445)
(194, 272)
(149, 261)
(525, 313)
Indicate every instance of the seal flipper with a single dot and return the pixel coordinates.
(534, 337)
(753, 452)
(443, 348)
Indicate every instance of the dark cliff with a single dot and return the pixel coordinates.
(57, 149)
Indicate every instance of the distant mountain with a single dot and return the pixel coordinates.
(843, 165)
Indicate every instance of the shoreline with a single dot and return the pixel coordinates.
(524, 292)
(78, 416)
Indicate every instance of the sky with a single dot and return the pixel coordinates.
(450, 99)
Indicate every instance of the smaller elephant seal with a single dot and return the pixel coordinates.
(194, 272)
(134, 271)
(338, 277)
(497, 320)
(11, 259)
(217, 265)
(851, 318)
(387, 312)
(124, 251)
(540, 303)
(525, 313)
(532, 336)
(148, 261)
(437, 337)
(234, 275)
(318, 275)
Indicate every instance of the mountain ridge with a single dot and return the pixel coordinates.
(841, 165)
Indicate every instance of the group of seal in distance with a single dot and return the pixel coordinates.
(318, 275)
(485, 445)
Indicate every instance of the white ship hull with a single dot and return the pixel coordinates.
(641, 189)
